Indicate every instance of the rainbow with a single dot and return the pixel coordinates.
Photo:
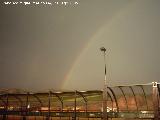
(95, 39)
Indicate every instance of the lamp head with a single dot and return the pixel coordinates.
(103, 49)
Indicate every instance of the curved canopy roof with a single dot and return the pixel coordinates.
(120, 98)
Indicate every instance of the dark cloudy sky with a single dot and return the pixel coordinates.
(57, 47)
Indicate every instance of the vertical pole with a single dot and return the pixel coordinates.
(49, 106)
(75, 105)
(105, 104)
(5, 116)
(7, 107)
(27, 104)
(155, 101)
(86, 108)
(26, 107)
(61, 108)
(105, 86)
(21, 109)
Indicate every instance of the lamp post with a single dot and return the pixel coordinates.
(105, 117)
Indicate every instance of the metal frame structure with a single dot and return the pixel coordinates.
(146, 102)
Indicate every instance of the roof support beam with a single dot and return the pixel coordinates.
(111, 99)
(59, 98)
(145, 97)
(120, 87)
(134, 98)
(38, 99)
(85, 100)
(114, 98)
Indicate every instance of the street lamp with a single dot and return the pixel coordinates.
(105, 117)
